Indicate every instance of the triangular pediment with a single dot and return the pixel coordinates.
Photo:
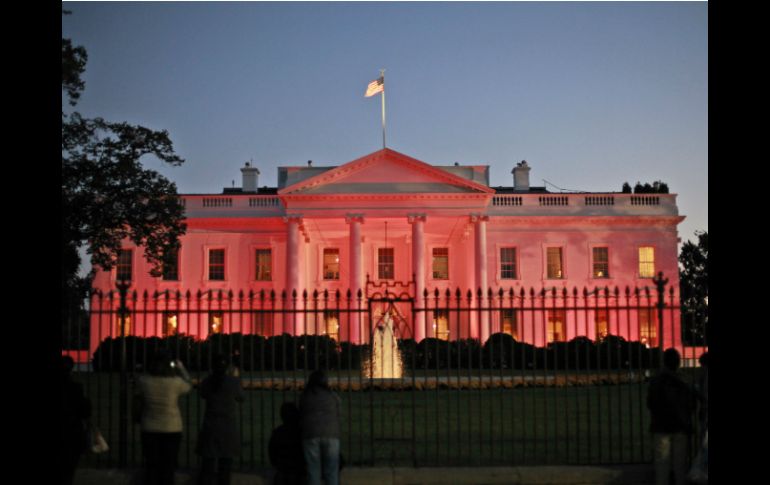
(382, 172)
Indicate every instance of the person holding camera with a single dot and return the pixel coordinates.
(157, 408)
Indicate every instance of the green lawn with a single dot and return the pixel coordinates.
(518, 426)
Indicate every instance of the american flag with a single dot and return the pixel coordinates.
(374, 87)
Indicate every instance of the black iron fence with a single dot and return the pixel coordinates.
(505, 377)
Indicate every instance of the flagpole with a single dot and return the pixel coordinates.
(382, 75)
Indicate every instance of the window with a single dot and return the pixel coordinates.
(261, 324)
(555, 263)
(171, 266)
(216, 264)
(124, 324)
(385, 264)
(331, 264)
(509, 323)
(216, 322)
(557, 326)
(440, 263)
(123, 268)
(601, 262)
(264, 270)
(508, 263)
(601, 321)
(441, 324)
(648, 327)
(170, 324)
(646, 262)
(332, 324)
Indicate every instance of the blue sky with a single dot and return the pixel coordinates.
(590, 94)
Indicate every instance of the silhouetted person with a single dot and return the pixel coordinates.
(703, 393)
(285, 448)
(671, 403)
(75, 410)
(219, 441)
(161, 419)
(320, 411)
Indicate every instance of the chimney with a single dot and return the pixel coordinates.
(250, 178)
(521, 176)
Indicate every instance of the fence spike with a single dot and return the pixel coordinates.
(349, 294)
(294, 294)
(338, 294)
(500, 293)
(458, 293)
(531, 292)
(617, 292)
(489, 293)
(425, 293)
(304, 294)
(564, 292)
(479, 293)
(436, 293)
(470, 295)
(272, 294)
(315, 294)
(360, 294)
(448, 294)
(574, 291)
(283, 295)
(628, 291)
(585, 292)
(647, 291)
(230, 294)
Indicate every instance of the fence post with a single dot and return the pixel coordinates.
(123, 405)
(660, 283)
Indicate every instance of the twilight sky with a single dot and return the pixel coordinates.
(590, 94)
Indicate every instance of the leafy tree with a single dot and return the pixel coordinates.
(694, 286)
(107, 196)
(626, 188)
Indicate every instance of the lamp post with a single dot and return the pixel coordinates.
(660, 283)
(122, 286)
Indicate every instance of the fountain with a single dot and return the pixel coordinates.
(385, 361)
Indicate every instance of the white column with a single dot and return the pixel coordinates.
(418, 267)
(293, 325)
(356, 276)
(480, 231)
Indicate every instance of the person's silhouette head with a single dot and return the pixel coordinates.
(671, 359)
(318, 380)
(289, 413)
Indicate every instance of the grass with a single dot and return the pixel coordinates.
(568, 425)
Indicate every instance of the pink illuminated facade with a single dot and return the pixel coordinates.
(388, 217)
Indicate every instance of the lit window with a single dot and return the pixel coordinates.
(332, 324)
(385, 264)
(441, 324)
(123, 324)
(216, 322)
(508, 263)
(557, 326)
(331, 264)
(646, 262)
(216, 264)
(601, 320)
(509, 323)
(264, 265)
(601, 263)
(171, 266)
(555, 263)
(648, 327)
(123, 270)
(170, 324)
(440, 263)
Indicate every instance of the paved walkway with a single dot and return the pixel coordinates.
(546, 475)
